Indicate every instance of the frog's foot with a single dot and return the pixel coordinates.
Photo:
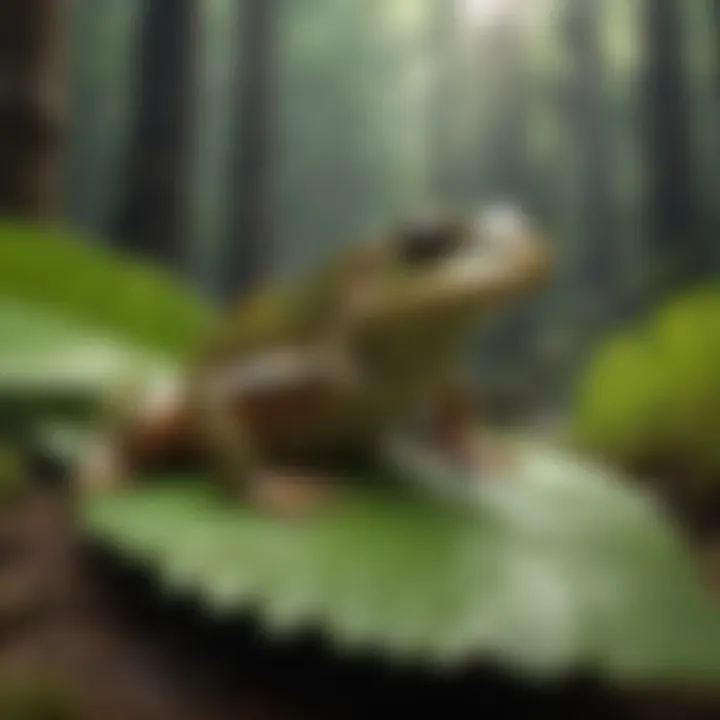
(464, 443)
(101, 469)
(476, 452)
(290, 493)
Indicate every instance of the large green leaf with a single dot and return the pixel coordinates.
(44, 353)
(551, 567)
(96, 287)
(76, 318)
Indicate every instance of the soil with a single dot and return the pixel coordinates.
(71, 612)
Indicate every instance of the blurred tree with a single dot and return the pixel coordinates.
(502, 168)
(251, 189)
(442, 41)
(716, 18)
(587, 117)
(100, 90)
(150, 219)
(31, 106)
(209, 213)
(89, 22)
(677, 245)
(353, 125)
(506, 144)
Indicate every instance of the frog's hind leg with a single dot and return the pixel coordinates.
(291, 492)
(246, 474)
(146, 430)
(101, 468)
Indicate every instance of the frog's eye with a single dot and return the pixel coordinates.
(428, 239)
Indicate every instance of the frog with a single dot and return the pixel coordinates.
(301, 382)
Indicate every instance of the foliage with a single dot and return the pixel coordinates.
(33, 698)
(76, 320)
(12, 474)
(652, 396)
(555, 567)
(99, 289)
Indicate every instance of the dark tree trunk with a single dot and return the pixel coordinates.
(84, 177)
(442, 30)
(715, 238)
(504, 169)
(151, 216)
(716, 35)
(679, 251)
(588, 124)
(31, 107)
(507, 151)
(250, 227)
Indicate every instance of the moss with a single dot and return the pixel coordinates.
(33, 698)
(651, 398)
(13, 475)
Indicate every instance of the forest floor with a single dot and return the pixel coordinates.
(127, 654)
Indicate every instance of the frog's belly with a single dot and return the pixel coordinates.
(306, 420)
(293, 406)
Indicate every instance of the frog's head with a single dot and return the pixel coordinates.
(444, 266)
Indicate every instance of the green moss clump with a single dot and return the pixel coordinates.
(36, 699)
(651, 398)
(13, 475)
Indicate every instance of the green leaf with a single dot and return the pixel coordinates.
(77, 318)
(550, 568)
(44, 353)
(95, 287)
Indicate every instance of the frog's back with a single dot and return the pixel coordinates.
(271, 317)
(257, 322)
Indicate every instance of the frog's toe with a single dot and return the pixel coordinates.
(291, 493)
(493, 457)
(101, 470)
(481, 456)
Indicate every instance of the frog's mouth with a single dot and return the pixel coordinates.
(498, 257)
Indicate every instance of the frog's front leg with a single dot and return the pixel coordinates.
(227, 439)
(461, 436)
(141, 426)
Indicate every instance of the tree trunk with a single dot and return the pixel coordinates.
(716, 35)
(151, 217)
(31, 107)
(587, 118)
(443, 175)
(507, 149)
(678, 248)
(250, 228)
(504, 169)
(84, 173)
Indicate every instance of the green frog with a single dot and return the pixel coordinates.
(301, 382)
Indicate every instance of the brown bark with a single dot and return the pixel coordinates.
(588, 126)
(31, 108)
(251, 183)
(151, 216)
(680, 251)
(444, 181)
(716, 35)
